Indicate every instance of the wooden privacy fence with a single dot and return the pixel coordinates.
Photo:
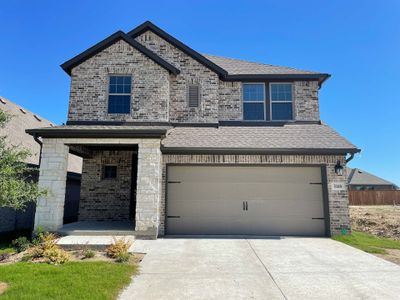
(374, 197)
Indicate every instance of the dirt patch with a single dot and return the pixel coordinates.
(379, 220)
(75, 256)
(3, 287)
(392, 255)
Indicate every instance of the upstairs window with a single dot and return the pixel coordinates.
(119, 95)
(193, 95)
(254, 101)
(281, 101)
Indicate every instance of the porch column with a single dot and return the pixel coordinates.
(53, 175)
(148, 190)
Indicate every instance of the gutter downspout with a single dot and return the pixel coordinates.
(350, 157)
(35, 137)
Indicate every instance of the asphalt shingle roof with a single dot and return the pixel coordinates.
(22, 119)
(290, 137)
(242, 67)
(360, 177)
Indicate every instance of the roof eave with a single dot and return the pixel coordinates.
(314, 151)
(96, 133)
(320, 77)
(80, 58)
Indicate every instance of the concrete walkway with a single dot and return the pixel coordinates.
(286, 268)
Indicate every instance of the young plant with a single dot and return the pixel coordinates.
(119, 246)
(88, 253)
(123, 257)
(21, 244)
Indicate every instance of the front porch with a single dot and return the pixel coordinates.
(93, 228)
(125, 201)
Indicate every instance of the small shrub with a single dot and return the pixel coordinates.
(55, 256)
(88, 253)
(21, 244)
(46, 250)
(123, 257)
(119, 246)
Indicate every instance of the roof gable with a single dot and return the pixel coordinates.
(178, 44)
(70, 64)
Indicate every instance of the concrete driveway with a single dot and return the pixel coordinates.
(281, 268)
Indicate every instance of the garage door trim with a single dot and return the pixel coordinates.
(324, 181)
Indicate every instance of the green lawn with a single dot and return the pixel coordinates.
(73, 280)
(367, 242)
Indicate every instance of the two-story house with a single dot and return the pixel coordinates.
(185, 143)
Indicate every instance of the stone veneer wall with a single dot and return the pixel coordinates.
(338, 200)
(53, 175)
(306, 105)
(191, 72)
(89, 86)
(106, 199)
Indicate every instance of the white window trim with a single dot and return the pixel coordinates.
(119, 94)
(263, 101)
(271, 101)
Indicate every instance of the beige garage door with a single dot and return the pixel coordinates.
(245, 200)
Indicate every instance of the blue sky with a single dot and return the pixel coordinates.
(358, 42)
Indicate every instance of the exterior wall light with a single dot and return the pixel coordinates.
(338, 168)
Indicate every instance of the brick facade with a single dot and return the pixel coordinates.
(106, 199)
(191, 72)
(338, 200)
(159, 96)
(306, 105)
(89, 86)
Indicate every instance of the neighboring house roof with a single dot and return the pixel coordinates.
(22, 119)
(360, 177)
(291, 138)
(119, 35)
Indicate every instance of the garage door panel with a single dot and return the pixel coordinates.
(207, 208)
(209, 200)
(207, 226)
(288, 208)
(285, 226)
(244, 191)
(252, 174)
